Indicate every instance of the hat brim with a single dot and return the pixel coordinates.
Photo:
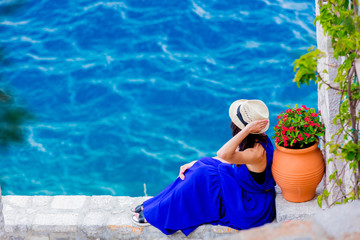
(234, 118)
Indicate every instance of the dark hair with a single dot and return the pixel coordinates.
(250, 140)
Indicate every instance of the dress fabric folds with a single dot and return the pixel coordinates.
(214, 192)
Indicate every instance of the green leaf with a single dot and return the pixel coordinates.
(353, 165)
(333, 176)
(326, 193)
(339, 182)
(349, 24)
(350, 151)
(319, 200)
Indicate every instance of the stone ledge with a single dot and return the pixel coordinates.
(340, 222)
(84, 217)
(287, 211)
(107, 217)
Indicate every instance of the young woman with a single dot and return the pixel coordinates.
(234, 189)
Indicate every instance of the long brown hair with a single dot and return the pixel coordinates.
(250, 140)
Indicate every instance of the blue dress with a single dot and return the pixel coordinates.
(215, 193)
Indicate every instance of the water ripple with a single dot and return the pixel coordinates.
(141, 87)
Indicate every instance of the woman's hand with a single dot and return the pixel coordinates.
(184, 168)
(257, 126)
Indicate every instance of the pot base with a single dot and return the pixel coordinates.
(297, 196)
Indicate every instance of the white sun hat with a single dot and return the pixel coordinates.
(243, 112)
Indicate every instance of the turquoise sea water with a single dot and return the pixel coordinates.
(125, 92)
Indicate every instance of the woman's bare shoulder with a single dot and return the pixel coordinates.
(257, 151)
(221, 160)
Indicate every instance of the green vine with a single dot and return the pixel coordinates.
(341, 22)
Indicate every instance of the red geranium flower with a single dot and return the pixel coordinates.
(300, 137)
(313, 114)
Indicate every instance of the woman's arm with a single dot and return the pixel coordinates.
(185, 167)
(228, 151)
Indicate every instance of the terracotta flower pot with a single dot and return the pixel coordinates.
(298, 172)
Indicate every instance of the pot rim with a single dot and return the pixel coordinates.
(302, 150)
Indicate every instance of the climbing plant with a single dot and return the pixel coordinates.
(341, 22)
